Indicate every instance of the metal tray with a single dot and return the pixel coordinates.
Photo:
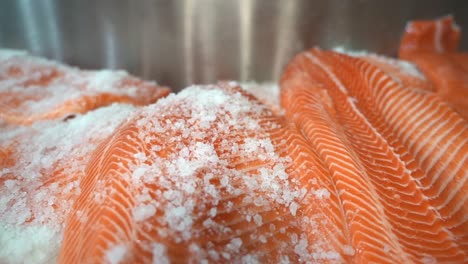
(181, 42)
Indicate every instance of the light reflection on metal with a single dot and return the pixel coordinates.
(286, 34)
(181, 42)
(29, 21)
(188, 18)
(246, 27)
(52, 25)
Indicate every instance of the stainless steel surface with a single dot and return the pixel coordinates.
(181, 42)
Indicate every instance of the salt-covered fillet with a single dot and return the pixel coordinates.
(33, 89)
(209, 174)
(41, 167)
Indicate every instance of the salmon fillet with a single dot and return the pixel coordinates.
(375, 136)
(432, 46)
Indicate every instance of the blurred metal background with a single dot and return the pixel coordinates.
(180, 42)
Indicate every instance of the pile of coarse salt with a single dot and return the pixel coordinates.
(39, 185)
(214, 166)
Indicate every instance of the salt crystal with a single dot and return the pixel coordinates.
(326, 255)
(293, 208)
(213, 254)
(139, 172)
(212, 212)
(284, 260)
(208, 223)
(143, 212)
(249, 259)
(262, 239)
(348, 250)
(160, 254)
(301, 248)
(234, 245)
(322, 194)
(224, 181)
(194, 248)
(258, 220)
(115, 254)
(226, 255)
